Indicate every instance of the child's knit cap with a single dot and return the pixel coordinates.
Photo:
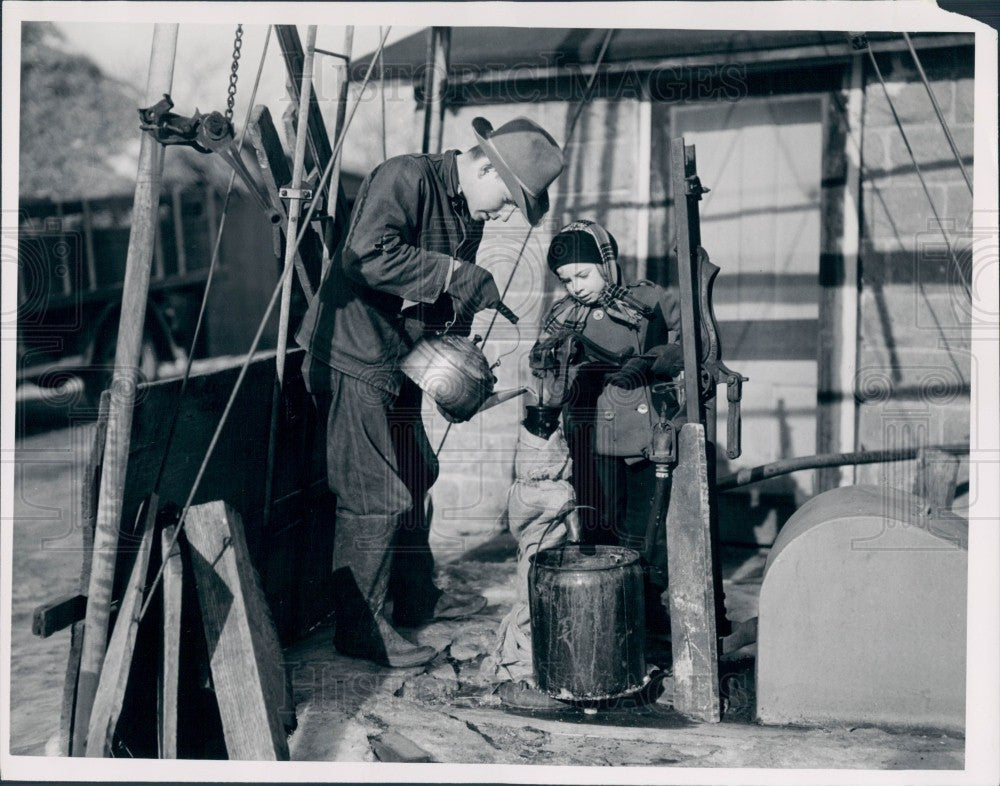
(577, 245)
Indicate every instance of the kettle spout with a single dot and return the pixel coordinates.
(500, 397)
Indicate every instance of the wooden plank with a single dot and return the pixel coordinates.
(135, 294)
(246, 659)
(52, 617)
(435, 87)
(170, 665)
(394, 747)
(159, 266)
(69, 745)
(88, 245)
(692, 591)
(688, 240)
(110, 694)
(178, 216)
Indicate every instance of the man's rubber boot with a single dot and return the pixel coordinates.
(361, 560)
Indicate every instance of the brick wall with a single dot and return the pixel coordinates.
(914, 316)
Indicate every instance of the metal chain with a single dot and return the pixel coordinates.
(231, 98)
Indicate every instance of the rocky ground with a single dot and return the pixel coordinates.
(447, 712)
(350, 710)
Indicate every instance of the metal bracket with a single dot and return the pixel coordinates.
(287, 192)
(693, 187)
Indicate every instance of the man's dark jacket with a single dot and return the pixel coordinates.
(410, 222)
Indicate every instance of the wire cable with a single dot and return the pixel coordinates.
(920, 174)
(937, 111)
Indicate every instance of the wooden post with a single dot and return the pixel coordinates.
(159, 267)
(837, 353)
(688, 240)
(247, 667)
(173, 578)
(343, 91)
(295, 203)
(692, 590)
(88, 245)
(130, 327)
(693, 568)
(110, 694)
(69, 745)
(435, 85)
(178, 213)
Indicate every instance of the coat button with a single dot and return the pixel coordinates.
(598, 313)
(609, 414)
(642, 409)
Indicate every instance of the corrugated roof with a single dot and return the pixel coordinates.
(476, 50)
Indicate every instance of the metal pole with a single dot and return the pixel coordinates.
(295, 203)
(116, 449)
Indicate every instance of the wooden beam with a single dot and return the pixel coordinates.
(836, 350)
(692, 590)
(52, 617)
(110, 695)
(88, 244)
(69, 745)
(130, 328)
(343, 92)
(688, 240)
(173, 584)
(177, 206)
(435, 87)
(246, 659)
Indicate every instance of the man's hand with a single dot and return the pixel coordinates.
(472, 289)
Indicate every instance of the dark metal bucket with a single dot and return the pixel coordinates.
(587, 622)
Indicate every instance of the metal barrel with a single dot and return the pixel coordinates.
(587, 621)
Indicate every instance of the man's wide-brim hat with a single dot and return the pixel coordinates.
(527, 159)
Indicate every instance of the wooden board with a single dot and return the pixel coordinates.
(58, 614)
(173, 572)
(692, 592)
(110, 693)
(246, 658)
(68, 744)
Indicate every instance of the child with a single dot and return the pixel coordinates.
(606, 344)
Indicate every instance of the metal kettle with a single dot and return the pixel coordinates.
(454, 372)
